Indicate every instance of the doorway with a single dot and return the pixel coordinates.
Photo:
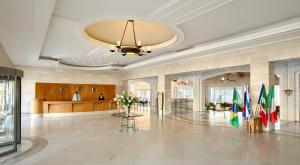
(10, 110)
(146, 90)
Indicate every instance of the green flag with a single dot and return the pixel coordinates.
(234, 119)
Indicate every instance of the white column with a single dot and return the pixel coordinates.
(167, 94)
(261, 72)
(196, 94)
(164, 87)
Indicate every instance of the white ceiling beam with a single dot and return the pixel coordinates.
(42, 14)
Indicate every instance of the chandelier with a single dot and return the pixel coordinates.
(137, 48)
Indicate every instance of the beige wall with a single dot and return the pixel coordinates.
(32, 75)
(285, 50)
(4, 59)
(289, 72)
(273, 52)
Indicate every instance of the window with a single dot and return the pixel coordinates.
(143, 94)
(185, 93)
(222, 94)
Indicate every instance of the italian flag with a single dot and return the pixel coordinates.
(262, 106)
(272, 106)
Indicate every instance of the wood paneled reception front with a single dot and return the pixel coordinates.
(83, 106)
(56, 98)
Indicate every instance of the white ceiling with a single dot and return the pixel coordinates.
(49, 29)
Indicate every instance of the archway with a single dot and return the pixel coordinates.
(140, 89)
(217, 96)
(146, 90)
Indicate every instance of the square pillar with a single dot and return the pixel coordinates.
(261, 72)
(196, 94)
(160, 93)
(202, 95)
(164, 86)
(168, 93)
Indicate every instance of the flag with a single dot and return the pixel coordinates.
(271, 105)
(247, 107)
(234, 119)
(262, 106)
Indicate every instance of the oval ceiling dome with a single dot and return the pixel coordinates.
(108, 32)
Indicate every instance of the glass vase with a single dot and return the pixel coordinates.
(127, 110)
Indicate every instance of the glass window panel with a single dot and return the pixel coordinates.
(184, 92)
(223, 94)
(7, 115)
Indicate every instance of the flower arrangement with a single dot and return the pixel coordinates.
(127, 99)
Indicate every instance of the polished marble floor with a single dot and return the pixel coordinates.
(222, 119)
(289, 128)
(98, 139)
(213, 118)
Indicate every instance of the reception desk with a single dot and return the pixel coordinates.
(83, 106)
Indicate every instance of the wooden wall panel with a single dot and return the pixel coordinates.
(60, 108)
(114, 106)
(36, 106)
(53, 92)
(98, 106)
(83, 107)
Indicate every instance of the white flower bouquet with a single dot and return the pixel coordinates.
(127, 99)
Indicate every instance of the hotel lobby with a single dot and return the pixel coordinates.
(155, 82)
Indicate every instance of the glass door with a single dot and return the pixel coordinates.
(7, 115)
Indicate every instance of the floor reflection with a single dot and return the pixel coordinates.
(156, 140)
(214, 118)
(289, 128)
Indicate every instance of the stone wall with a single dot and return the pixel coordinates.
(289, 78)
(272, 52)
(259, 58)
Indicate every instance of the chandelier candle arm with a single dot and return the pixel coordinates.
(134, 36)
(130, 50)
(124, 33)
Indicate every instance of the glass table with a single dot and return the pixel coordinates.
(127, 120)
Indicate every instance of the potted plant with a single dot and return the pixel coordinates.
(126, 99)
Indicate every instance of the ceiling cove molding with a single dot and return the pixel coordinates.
(170, 8)
(97, 68)
(53, 62)
(81, 29)
(177, 12)
(164, 7)
(267, 32)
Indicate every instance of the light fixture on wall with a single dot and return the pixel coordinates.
(94, 89)
(62, 89)
(181, 81)
(136, 49)
(78, 88)
(226, 78)
(288, 91)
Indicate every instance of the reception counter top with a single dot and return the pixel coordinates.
(82, 106)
